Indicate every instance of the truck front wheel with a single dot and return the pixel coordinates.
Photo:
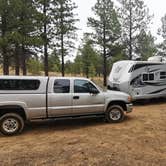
(114, 114)
(11, 123)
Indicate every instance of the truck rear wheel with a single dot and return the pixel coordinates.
(11, 123)
(114, 114)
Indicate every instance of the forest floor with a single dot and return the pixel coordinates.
(140, 140)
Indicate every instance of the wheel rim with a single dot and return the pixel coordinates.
(10, 125)
(115, 114)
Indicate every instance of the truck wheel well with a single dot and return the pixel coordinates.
(120, 103)
(13, 109)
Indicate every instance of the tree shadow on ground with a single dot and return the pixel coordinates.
(69, 124)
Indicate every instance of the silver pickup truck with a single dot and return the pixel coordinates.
(36, 98)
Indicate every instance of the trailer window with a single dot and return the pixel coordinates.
(145, 77)
(163, 75)
(148, 77)
(151, 77)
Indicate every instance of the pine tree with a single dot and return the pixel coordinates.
(107, 30)
(89, 57)
(54, 62)
(34, 66)
(162, 30)
(145, 46)
(65, 28)
(88, 60)
(25, 31)
(134, 17)
(78, 65)
(46, 9)
(4, 31)
(161, 47)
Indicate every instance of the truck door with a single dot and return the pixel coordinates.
(59, 98)
(84, 101)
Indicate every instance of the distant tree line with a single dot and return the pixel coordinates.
(39, 35)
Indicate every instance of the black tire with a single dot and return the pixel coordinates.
(11, 124)
(114, 114)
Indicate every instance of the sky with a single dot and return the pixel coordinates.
(156, 7)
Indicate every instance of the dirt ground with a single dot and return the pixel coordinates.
(140, 140)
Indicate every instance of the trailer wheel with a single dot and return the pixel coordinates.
(11, 124)
(114, 114)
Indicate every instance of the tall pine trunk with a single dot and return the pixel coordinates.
(45, 40)
(4, 47)
(46, 59)
(87, 71)
(62, 43)
(104, 56)
(62, 56)
(130, 36)
(5, 62)
(104, 67)
(23, 59)
(17, 60)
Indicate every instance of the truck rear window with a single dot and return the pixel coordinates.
(18, 84)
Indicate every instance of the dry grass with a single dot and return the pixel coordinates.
(138, 141)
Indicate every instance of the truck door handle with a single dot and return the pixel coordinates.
(76, 97)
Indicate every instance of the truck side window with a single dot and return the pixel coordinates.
(93, 88)
(62, 86)
(83, 86)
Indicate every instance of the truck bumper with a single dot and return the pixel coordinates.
(129, 108)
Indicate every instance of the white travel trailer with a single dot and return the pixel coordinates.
(140, 79)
